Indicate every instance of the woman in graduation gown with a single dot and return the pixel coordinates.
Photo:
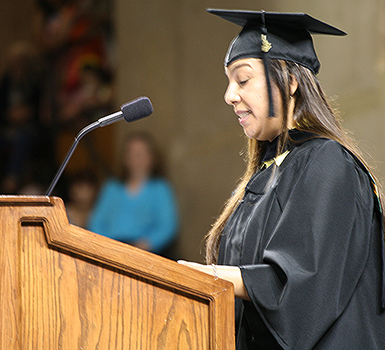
(301, 238)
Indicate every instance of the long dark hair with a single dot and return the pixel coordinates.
(312, 112)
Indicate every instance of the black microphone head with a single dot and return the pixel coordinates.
(137, 109)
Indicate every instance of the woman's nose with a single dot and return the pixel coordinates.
(231, 96)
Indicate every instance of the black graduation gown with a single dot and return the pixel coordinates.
(307, 238)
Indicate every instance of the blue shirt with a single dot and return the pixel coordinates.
(149, 214)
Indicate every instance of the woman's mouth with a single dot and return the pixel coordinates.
(242, 116)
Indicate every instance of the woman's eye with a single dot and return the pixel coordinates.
(243, 82)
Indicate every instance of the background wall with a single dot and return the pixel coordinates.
(16, 23)
(172, 52)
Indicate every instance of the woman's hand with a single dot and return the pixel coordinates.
(228, 273)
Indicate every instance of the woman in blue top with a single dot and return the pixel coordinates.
(139, 208)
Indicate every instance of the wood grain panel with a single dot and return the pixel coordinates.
(63, 287)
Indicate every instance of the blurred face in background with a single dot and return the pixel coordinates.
(139, 159)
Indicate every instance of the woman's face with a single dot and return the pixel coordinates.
(139, 157)
(247, 93)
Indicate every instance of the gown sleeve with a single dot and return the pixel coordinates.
(317, 250)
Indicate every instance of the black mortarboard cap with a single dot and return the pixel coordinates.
(275, 35)
(289, 35)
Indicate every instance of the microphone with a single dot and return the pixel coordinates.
(130, 111)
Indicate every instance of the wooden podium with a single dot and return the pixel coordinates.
(63, 287)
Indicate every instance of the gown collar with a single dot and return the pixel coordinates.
(296, 138)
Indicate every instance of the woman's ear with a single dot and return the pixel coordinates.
(293, 85)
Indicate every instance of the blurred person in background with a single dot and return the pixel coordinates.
(140, 207)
